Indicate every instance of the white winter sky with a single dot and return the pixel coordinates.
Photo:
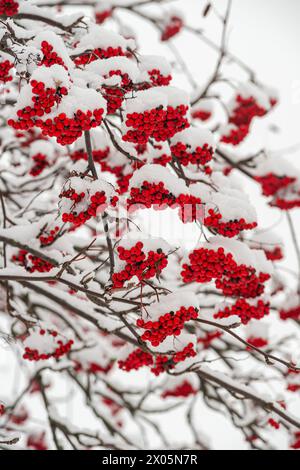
(266, 35)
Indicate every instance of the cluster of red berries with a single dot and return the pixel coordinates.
(296, 444)
(173, 27)
(92, 368)
(236, 135)
(62, 349)
(227, 229)
(151, 194)
(190, 208)
(8, 7)
(100, 17)
(275, 254)
(47, 239)
(161, 124)
(200, 156)
(99, 53)
(123, 182)
(115, 95)
(293, 387)
(245, 311)
(40, 163)
(287, 204)
(97, 202)
(208, 338)
(50, 57)
(245, 111)
(138, 358)
(158, 196)
(273, 423)
(243, 282)
(19, 417)
(139, 263)
(292, 313)
(257, 342)
(45, 99)
(173, 120)
(66, 129)
(183, 390)
(32, 263)
(5, 68)
(201, 114)
(206, 265)
(2, 409)
(272, 183)
(158, 79)
(37, 441)
(169, 324)
(234, 280)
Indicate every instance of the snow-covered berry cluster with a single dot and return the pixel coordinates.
(245, 310)
(143, 261)
(82, 199)
(9, 7)
(235, 279)
(43, 344)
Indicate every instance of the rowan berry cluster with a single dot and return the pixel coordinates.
(158, 196)
(32, 263)
(37, 441)
(5, 68)
(50, 57)
(292, 313)
(172, 28)
(19, 417)
(243, 113)
(185, 389)
(274, 255)
(92, 367)
(68, 129)
(101, 16)
(140, 263)
(2, 409)
(296, 443)
(245, 310)
(235, 135)
(257, 342)
(208, 337)
(96, 202)
(200, 156)
(9, 7)
(47, 238)
(169, 324)
(158, 79)
(201, 114)
(99, 53)
(160, 363)
(158, 123)
(227, 229)
(136, 359)
(40, 162)
(234, 280)
(293, 385)
(272, 183)
(44, 100)
(32, 354)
